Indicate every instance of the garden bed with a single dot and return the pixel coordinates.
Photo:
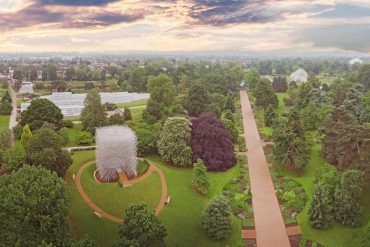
(290, 194)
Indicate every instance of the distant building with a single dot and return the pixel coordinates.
(71, 105)
(26, 87)
(355, 61)
(299, 75)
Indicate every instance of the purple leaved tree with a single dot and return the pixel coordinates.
(210, 142)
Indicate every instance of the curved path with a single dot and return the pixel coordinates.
(152, 168)
(269, 223)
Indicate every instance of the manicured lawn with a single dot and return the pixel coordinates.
(113, 199)
(338, 235)
(4, 122)
(133, 104)
(182, 215)
(82, 218)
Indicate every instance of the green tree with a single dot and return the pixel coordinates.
(320, 213)
(173, 143)
(279, 84)
(231, 128)
(229, 103)
(142, 227)
(364, 76)
(116, 119)
(162, 95)
(200, 179)
(291, 146)
(147, 136)
(127, 114)
(365, 239)
(253, 77)
(270, 116)
(40, 111)
(304, 95)
(264, 94)
(45, 149)
(26, 135)
(63, 133)
(93, 115)
(216, 219)
(347, 207)
(33, 208)
(86, 241)
(14, 158)
(198, 100)
(345, 141)
(5, 139)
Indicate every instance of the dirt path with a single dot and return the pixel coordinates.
(269, 223)
(152, 168)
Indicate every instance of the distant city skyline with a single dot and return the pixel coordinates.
(230, 26)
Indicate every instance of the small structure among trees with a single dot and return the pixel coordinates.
(116, 151)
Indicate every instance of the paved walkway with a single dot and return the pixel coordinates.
(13, 115)
(269, 223)
(108, 216)
(251, 233)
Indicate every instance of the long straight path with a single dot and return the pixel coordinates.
(13, 115)
(269, 223)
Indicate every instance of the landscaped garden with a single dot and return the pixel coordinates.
(302, 171)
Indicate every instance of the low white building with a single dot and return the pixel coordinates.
(299, 75)
(71, 105)
(355, 61)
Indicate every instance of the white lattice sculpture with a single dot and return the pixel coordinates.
(116, 151)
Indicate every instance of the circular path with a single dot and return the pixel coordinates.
(152, 168)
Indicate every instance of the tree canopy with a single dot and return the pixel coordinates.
(40, 111)
(173, 143)
(211, 143)
(141, 228)
(33, 208)
(45, 149)
(198, 100)
(93, 115)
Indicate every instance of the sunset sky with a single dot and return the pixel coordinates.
(185, 25)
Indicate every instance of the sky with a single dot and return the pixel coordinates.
(185, 25)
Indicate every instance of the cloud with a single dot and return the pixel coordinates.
(41, 14)
(77, 2)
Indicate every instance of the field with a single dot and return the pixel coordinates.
(181, 216)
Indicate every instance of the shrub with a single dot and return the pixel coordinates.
(116, 119)
(68, 124)
(200, 179)
(216, 219)
(63, 132)
(85, 138)
(173, 143)
(365, 239)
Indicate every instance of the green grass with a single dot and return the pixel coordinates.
(83, 220)
(137, 114)
(281, 97)
(181, 216)
(4, 122)
(133, 104)
(142, 167)
(72, 118)
(338, 235)
(114, 199)
(73, 135)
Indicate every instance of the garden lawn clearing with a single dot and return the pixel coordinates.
(182, 215)
(133, 104)
(4, 122)
(338, 235)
